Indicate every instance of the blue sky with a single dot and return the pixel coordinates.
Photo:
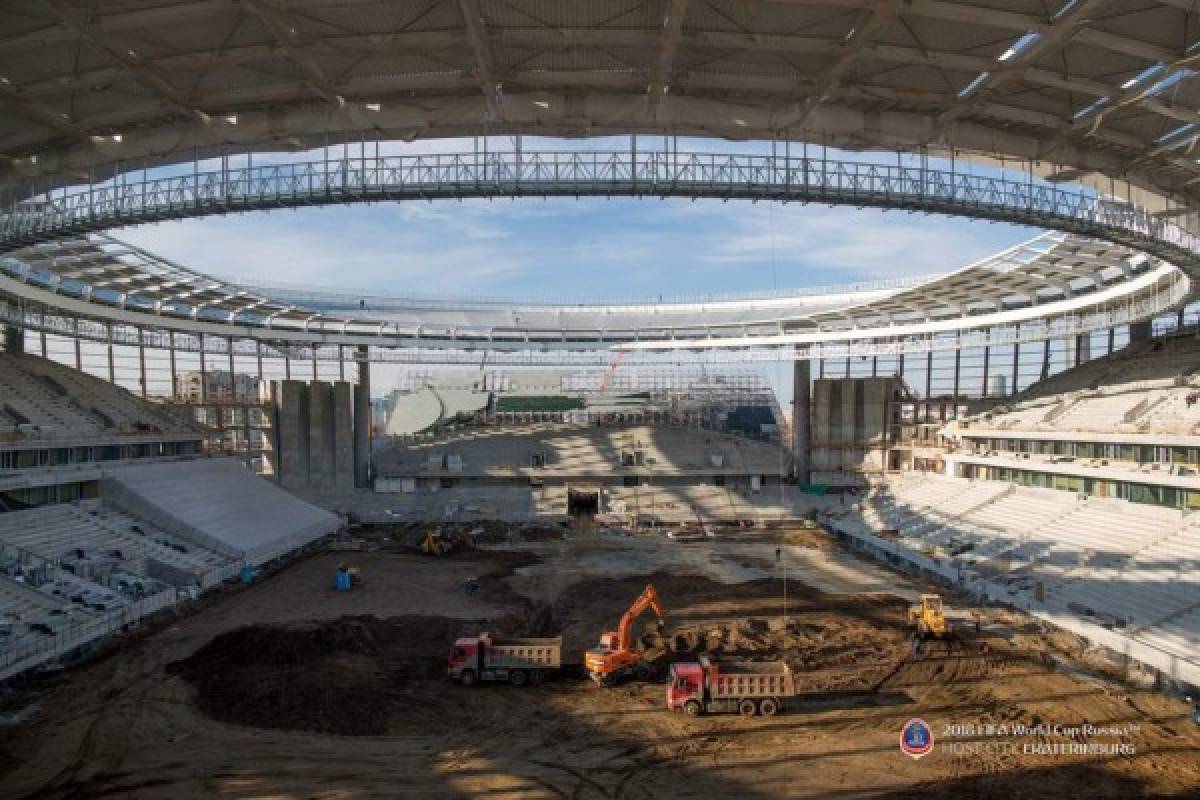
(588, 248)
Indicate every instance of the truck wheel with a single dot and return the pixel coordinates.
(692, 708)
(536, 677)
(517, 677)
(467, 678)
(747, 708)
(768, 707)
(644, 672)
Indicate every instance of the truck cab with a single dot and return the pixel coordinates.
(685, 682)
(463, 653)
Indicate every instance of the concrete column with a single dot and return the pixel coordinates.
(174, 373)
(1112, 340)
(900, 366)
(987, 356)
(14, 340)
(203, 373)
(321, 445)
(232, 383)
(341, 363)
(142, 359)
(1140, 331)
(112, 364)
(875, 366)
(1046, 360)
(801, 418)
(343, 435)
(78, 354)
(45, 349)
(1016, 370)
(1080, 349)
(958, 369)
(362, 420)
(929, 375)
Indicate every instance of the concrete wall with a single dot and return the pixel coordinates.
(343, 435)
(320, 436)
(802, 418)
(314, 434)
(849, 426)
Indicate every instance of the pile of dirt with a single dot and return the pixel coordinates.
(337, 676)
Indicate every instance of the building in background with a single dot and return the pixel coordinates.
(215, 386)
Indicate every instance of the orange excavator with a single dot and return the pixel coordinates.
(615, 656)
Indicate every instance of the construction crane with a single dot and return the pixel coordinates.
(612, 370)
(614, 657)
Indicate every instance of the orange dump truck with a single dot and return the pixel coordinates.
(747, 687)
(518, 661)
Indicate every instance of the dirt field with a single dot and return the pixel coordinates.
(288, 690)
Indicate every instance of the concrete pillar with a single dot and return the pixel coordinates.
(45, 348)
(78, 354)
(875, 366)
(142, 360)
(802, 418)
(1016, 367)
(1140, 331)
(343, 435)
(1046, 360)
(929, 375)
(987, 355)
(321, 445)
(1080, 349)
(232, 383)
(293, 434)
(174, 373)
(203, 373)
(958, 369)
(362, 420)
(112, 364)
(14, 340)
(1112, 340)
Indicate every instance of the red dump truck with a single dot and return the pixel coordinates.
(518, 661)
(747, 687)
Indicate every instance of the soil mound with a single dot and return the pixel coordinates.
(339, 676)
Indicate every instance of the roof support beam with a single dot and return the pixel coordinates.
(1050, 38)
(293, 44)
(36, 112)
(660, 82)
(880, 16)
(133, 63)
(485, 70)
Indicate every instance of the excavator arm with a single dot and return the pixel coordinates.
(647, 599)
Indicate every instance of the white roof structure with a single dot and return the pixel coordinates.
(1051, 277)
(1091, 90)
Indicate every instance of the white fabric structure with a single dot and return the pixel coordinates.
(218, 504)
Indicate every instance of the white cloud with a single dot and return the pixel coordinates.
(564, 248)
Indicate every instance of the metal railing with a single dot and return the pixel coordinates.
(134, 197)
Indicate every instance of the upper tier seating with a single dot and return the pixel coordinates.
(39, 398)
(1141, 389)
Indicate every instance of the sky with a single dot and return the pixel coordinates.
(575, 249)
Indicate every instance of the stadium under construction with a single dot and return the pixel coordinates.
(920, 509)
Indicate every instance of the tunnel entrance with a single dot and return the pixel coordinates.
(583, 502)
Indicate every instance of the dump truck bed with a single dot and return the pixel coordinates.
(516, 653)
(751, 679)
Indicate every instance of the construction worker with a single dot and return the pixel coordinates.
(1195, 710)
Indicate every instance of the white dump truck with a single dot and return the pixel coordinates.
(747, 687)
(517, 660)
